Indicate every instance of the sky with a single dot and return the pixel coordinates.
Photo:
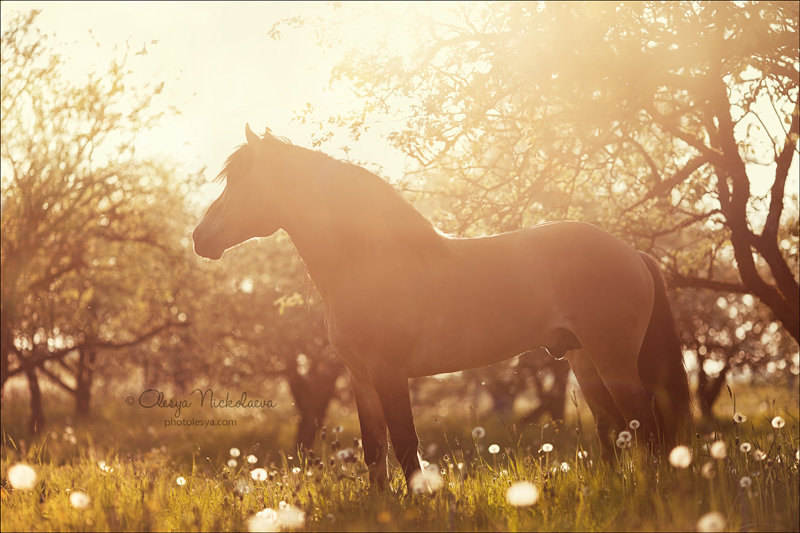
(221, 68)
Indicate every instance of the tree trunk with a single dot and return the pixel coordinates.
(83, 382)
(708, 389)
(37, 410)
(312, 393)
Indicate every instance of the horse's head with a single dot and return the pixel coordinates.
(247, 207)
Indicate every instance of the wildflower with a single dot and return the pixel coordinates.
(232, 463)
(583, 454)
(235, 452)
(759, 455)
(291, 517)
(181, 481)
(710, 522)
(778, 422)
(718, 450)
(680, 456)
(547, 447)
(460, 466)
(739, 418)
(745, 482)
(494, 448)
(622, 443)
(708, 470)
(625, 435)
(634, 424)
(104, 467)
(564, 467)
(426, 481)
(478, 432)
(252, 459)
(22, 476)
(264, 520)
(258, 474)
(745, 447)
(296, 470)
(522, 494)
(79, 499)
(347, 455)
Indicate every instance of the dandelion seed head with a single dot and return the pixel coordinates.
(623, 444)
(252, 459)
(258, 474)
(522, 494)
(739, 418)
(296, 470)
(680, 456)
(235, 452)
(583, 454)
(625, 435)
(290, 517)
(232, 463)
(263, 521)
(564, 467)
(22, 476)
(478, 432)
(547, 447)
(711, 522)
(79, 499)
(425, 481)
(634, 424)
(778, 422)
(708, 471)
(759, 455)
(718, 450)
(181, 481)
(745, 447)
(745, 482)
(494, 448)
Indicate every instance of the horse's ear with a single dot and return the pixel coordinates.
(252, 138)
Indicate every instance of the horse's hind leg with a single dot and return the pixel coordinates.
(373, 430)
(607, 415)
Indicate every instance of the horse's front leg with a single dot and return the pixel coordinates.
(373, 430)
(396, 403)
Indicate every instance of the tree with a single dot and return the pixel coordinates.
(82, 220)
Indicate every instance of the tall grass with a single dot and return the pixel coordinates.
(131, 476)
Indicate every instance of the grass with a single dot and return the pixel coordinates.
(137, 489)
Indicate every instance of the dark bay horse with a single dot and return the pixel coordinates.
(403, 300)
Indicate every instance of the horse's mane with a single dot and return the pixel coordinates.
(368, 214)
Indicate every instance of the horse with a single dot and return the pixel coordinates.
(404, 300)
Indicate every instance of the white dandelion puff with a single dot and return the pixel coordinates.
(290, 517)
(478, 432)
(634, 424)
(181, 481)
(258, 474)
(522, 494)
(232, 463)
(564, 467)
(235, 452)
(622, 443)
(625, 435)
(711, 522)
(739, 418)
(745, 482)
(759, 455)
(718, 450)
(680, 456)
(547, 447)
(494, 448)
(425, 481)
(778, 422)
(22, 476)
(79, 499)
(745, 447)
(296, 470)
(252, 459)
(708, 470)
(263, 521)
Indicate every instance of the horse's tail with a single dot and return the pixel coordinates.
(661, 365)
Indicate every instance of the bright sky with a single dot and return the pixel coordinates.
(220, 67)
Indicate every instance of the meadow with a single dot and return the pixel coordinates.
(121, 471)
